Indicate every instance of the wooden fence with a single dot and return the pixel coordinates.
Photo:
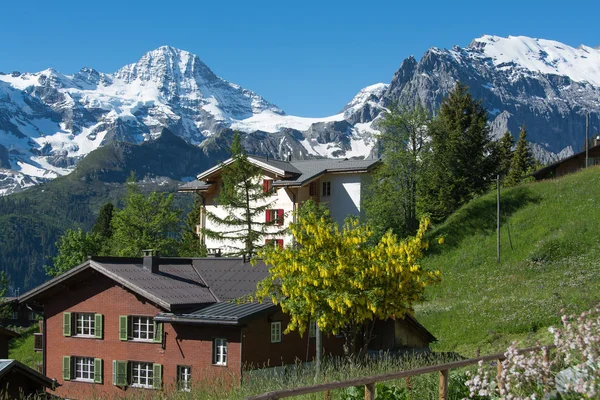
(369, 381)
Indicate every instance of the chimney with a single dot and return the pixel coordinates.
(597, 140)
(151, 261)
(289, 157)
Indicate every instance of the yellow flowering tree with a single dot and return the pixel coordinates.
(339, 278)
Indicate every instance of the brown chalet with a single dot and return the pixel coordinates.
(570, 164)
(115, 325)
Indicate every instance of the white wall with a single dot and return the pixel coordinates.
(345, 195)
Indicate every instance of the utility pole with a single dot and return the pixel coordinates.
(587, 139)
(498, 214)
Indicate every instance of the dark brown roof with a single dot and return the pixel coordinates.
(179, 283)
(8, 332)
(540, 173)
(7, 366)
(225, 313)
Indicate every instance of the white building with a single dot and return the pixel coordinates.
(337, 183)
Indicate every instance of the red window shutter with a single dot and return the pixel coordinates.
(280, 217)
(265, 185)
(268, 241)
(280, 243)
(268, 215)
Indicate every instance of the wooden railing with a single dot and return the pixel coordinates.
(369, 381)
(38, 344)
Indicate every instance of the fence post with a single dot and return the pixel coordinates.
(327, 395)
(370, 391)
(444, 384)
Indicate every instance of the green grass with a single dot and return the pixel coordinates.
(553, 265)
(21, 348)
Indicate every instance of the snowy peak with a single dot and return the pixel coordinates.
(580, 64)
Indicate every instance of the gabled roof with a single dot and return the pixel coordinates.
(177, 284)
(8, 332)
(226, 313)
(542, 171)
(6, 366)
(289, 173)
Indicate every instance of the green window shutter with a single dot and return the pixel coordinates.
(67, 324)
(66, 370)
(157, 376)
(119, 373)
(98, 326)
(158, 332)
(97, 370)
(123, 334)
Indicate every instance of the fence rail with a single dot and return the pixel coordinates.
(369, 381)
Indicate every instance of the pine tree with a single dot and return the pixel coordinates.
(191, 244)
(463, 159)
(522, 161)
(103, 227)
(245, 200)
(505, 152)
(393, 196)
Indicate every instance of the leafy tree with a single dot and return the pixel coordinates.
(463, 159)
(505, 152)
(245, 200)
(335, 277)
(522, 161)
(74, 246)
(191, 244)
(393, 195)
(145, 223)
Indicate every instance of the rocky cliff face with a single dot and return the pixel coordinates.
(50, 121)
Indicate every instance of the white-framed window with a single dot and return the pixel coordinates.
(32, 316)
(312, 329)
(142, 328)
(275, 332)
(142, 374)
(220, 352)
(184, 378)
(326, 189)
(14, 315)
(84, 369)
(84, 324)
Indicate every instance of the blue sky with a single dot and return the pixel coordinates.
(308, 57)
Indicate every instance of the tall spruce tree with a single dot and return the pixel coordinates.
(245, 199)
(522, 161)
(393, 196)
(463, 159)
(505, 151)
(191, 243)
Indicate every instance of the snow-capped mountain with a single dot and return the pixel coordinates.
(546, 85)
(49, 121)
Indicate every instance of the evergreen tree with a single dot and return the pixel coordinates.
(522, 161)
(463, 159)
(245, 200)
(103, 227)
(191, 244)
(145, 223)
(393, 195)
(505, 152)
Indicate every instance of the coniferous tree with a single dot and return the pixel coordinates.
(522, 161)
(242, 195)
(393, 194)
(103, 227)
(505, 152)
(463, 159)
(191, 244)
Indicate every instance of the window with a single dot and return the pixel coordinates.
(275, 216)
(32, 316)
(84, 324)
(142, 328)
(220, 352)
(274, 242)
(312, 329)
(14, 315)
(142, 374)
(275, 332)
(312, 189)
(184, 378)
(87, 325)
(267, 186)
(326, 189)
(84, 369)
